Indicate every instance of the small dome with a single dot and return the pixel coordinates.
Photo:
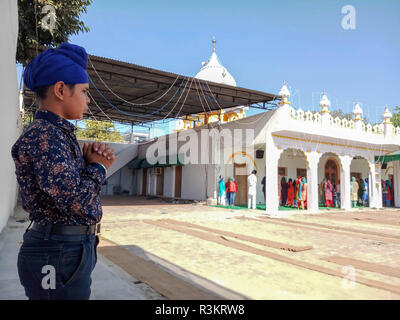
(357, 109)
(387, 114)
(324, 102)
(284, 93)
(213, 70)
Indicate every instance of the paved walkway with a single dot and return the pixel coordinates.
(109, 282)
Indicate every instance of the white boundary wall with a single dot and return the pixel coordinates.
(10, 121)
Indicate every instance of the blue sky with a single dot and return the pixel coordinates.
(262, 43)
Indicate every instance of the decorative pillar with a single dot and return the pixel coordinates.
(387, 124)
(325, 113)
(285, 94)
(312, 181)
(272, 155)
(376, 198)
(370, 189)
(283, 112)
(345, 186)
(358, 121)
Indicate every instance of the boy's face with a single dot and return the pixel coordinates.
(76, 101)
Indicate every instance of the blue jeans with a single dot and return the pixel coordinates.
(58, 268)
(337, 200)
(232, 198)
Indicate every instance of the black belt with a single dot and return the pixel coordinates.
(67, 229)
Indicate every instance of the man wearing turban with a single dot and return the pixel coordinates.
(59, 186)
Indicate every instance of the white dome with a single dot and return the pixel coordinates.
(387, 114)
(324, 102)
(284, 93)
(357, 109)
(213, 70)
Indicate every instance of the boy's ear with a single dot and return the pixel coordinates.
(59, 90)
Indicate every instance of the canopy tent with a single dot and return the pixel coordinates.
(129, 93)
(394, 156)
(143, 163)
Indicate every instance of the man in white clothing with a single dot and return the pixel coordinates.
(252, 189)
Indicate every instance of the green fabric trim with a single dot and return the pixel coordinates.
(394, 156)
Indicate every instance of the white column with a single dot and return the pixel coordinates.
(396, 183)
(272, 155)
(345, 187)
(376, 187)
(370, 189)
(312, 182)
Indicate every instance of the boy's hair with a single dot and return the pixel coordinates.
(41, 92)
(254, 172)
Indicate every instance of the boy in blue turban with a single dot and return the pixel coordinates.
(59, 186)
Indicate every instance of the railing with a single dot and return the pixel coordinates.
(316, 118)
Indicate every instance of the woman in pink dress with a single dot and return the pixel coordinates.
(328, 193)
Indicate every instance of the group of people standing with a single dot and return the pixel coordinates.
(227, 191)
(387, 193)
(293, 193)
(359, 192)
(329, 193)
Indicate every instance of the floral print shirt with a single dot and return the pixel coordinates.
(56, 185)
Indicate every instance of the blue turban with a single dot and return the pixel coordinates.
(67, 63)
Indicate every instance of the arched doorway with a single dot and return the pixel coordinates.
(331, 170)
(329, 167)
(360, 187)
(292, 166)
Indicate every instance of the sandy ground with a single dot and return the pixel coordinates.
(240, 274)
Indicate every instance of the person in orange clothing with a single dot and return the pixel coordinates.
(290, 193)
(231, 189)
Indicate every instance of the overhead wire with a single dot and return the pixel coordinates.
(132, 114)
(126, 101)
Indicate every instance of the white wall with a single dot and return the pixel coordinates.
(124, 153)
(292, 164)
(360, 165)
(193, 182)
(10, 121)
(123, 177)
(169, 182)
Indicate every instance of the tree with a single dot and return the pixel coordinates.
(396, 117)
(32, 31)
(349, 115)
(99, 131)
(341, 114)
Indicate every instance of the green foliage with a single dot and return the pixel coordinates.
(28, 118)
(396, 117)
(99, 131)
(67, 13)
(341, 114)
(349, 116)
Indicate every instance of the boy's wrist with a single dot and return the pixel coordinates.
(102, 165)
